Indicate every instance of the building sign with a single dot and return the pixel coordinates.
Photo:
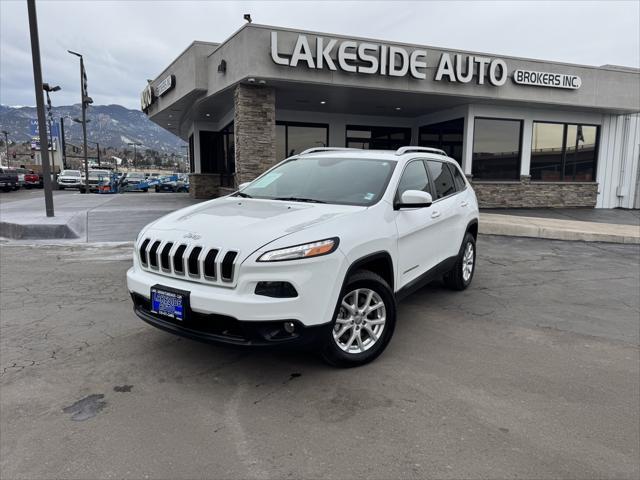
(389, 60)
(545, 79)
(151, 94)
(165, 85)
(146, 98)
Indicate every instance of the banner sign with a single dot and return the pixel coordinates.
(35, 131)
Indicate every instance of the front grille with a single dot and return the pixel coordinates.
(197, 263)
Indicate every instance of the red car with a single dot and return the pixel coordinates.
(32, 179)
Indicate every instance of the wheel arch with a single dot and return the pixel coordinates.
(472, 228)
(379, 262)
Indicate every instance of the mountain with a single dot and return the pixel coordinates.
(110, 125)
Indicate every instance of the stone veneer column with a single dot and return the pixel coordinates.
(255, 130)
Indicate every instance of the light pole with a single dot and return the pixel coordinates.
(42, 128)
(47, 88)
(86, 100)
(6, 144)
(135, 144)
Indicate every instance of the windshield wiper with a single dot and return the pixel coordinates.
(243, 195)
(299, 199)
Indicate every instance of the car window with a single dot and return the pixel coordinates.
(458, 178)
(414, 177)
(442, 178)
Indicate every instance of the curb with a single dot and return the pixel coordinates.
(569, 231)
(72, 227)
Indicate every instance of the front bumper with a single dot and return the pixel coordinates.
(212, 328)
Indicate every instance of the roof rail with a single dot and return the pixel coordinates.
(403, 150)
(324, 149)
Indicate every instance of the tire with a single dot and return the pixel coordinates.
(157, 188)
(460, 276)
(6, 189)
(60, 187)
(355, 329)
(82, 190)
(145, 190)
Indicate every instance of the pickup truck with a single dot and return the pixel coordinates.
(32, 180)
(8, 180)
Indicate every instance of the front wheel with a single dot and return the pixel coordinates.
(363, 323)
(460, 276)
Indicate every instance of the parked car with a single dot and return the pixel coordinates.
(70, 179)
(33, 180)
(8, 180)
(134, 181)
(316, 251)
(95, 178)
(172, 183)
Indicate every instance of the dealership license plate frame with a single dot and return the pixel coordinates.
(167, 309)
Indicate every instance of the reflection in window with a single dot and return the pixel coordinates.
(496, 149)
(293, 138)
(414, 177)
(442, 178)
(563, 152)
(377, 138)
(446, 136)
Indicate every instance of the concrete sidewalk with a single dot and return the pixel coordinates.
(87, 218)
(558, 229)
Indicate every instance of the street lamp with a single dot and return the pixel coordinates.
(86, 100)
(135, 144)
(48, 88)
(6, 144)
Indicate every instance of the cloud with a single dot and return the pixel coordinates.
(124, 43)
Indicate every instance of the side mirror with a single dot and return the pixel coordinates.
(414, 199)
(243, 185)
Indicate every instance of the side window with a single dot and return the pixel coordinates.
(442, 178)
(458, 178)
(414, 177)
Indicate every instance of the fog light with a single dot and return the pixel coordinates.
(276, 289)
(289, 327)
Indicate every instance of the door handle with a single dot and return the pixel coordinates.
(464, 203)
(435, 214)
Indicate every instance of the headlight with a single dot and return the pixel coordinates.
(307, 250)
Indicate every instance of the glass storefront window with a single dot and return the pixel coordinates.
(293, 137)
(377, 138)
(446, 136)
(547, 146)
(563, 152)
(496, 149)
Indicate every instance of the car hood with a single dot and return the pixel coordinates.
(243, 225)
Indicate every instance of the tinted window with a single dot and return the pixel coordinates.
(414, 178)
(446, 136)
(547, 147)
(378, 138)
(458, 178)
(344, 181)
(563, 152)
(293, 138)
(496, 149)
(442, 179)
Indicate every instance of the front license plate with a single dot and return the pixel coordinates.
(169, 302)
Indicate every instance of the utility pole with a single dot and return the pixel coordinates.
(42, 124)
(135, 144)
(98, 148)
(86, 100)
(6, 144)
(47, 88)
(63, 144)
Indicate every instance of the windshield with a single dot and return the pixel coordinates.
(98, 173)
(135, 176)
(345, 181)
(70, 173)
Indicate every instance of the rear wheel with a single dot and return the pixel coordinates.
(460, 276)
(363, 323)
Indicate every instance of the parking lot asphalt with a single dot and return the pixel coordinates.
(532, 372)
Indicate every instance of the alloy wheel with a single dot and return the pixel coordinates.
(468, 260)
(360, 322)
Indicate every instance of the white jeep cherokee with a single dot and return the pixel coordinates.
(317, 251)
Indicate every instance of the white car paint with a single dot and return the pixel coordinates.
(417, 239)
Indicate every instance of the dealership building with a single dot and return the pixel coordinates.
(527, 133)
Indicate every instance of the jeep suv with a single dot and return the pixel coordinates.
(315, 251)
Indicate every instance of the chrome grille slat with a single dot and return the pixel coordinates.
(205, 265)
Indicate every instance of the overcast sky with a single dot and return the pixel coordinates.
(126, 42)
